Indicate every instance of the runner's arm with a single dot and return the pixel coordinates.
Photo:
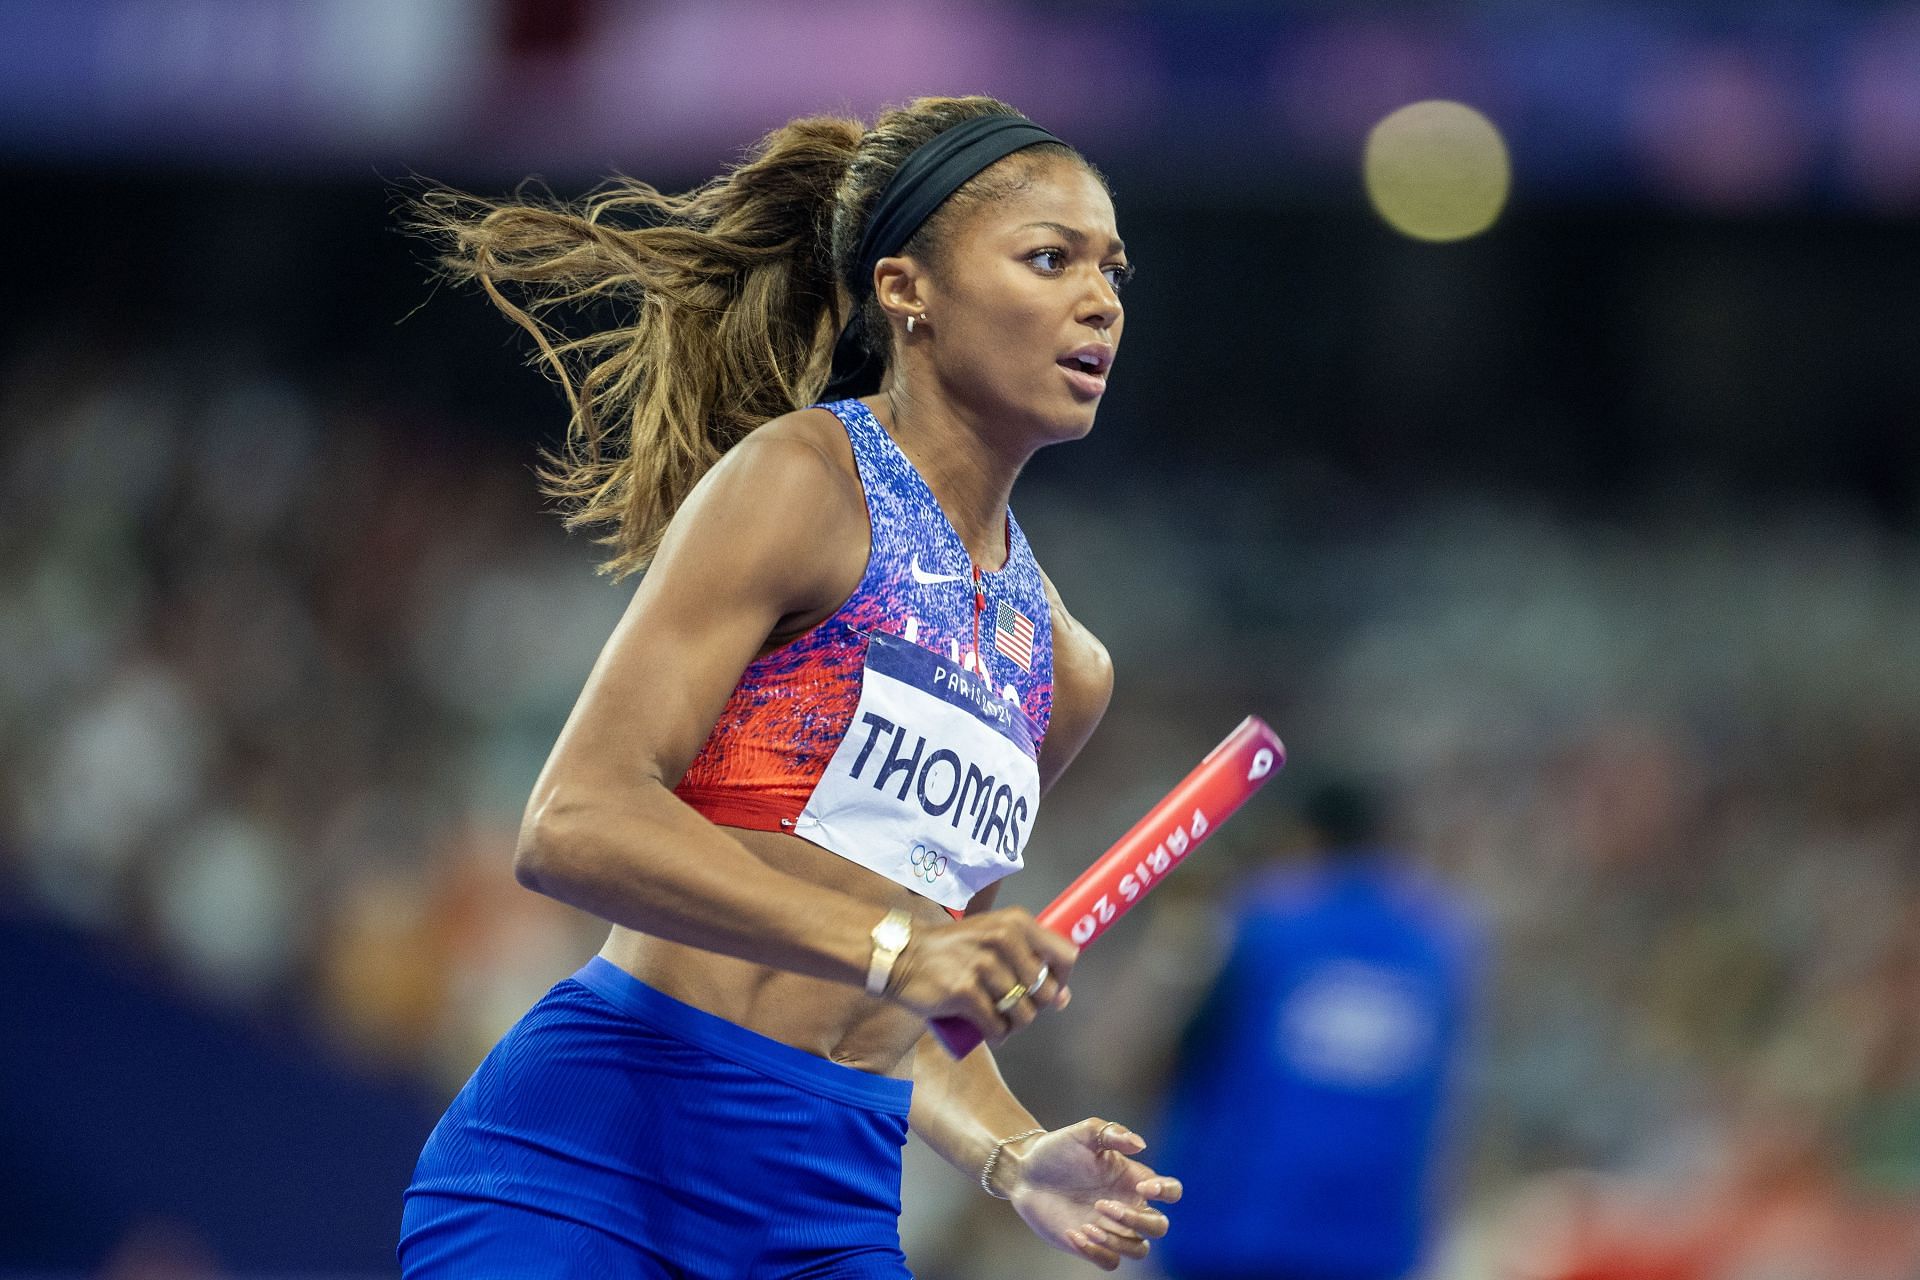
(773, 534)
(1082, 687)
(1079, 1188)
(962, 1107)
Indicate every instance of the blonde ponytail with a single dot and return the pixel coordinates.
(733, 308)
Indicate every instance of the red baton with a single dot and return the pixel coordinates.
(1153, 846)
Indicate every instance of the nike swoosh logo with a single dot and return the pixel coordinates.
(926, 579)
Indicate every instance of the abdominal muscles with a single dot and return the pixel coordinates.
(831, 1020)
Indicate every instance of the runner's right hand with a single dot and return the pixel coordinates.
(963, 969)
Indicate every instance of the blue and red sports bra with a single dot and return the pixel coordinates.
(903, 732)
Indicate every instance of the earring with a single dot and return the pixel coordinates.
(910, 320)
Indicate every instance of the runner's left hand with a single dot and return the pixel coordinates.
(1081, 1191)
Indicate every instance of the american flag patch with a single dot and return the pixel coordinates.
(1013, 634)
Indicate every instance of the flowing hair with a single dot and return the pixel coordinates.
(725, 303)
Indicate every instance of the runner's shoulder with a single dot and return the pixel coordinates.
(807, 449)
(1079, 657)
(776, 517)
(787, 477)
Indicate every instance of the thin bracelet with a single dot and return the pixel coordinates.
(993, 1158)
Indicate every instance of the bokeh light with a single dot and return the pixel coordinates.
(1437, 170)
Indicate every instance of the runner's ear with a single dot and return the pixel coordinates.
(900, 286)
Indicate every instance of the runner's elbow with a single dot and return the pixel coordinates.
(551, 856)
(533, 854)
(584, 838)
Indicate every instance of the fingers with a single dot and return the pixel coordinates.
(1054, 951)
(1043, 957)
(1003, 1000)
(1118, 1240)
(997, 970)
(987, 1004)
(1131, 1219)
(1050, 992)
(1094, 1250)
(1111, 1135)
(1026, 943)
(1125, 1230)
(1160, 1187)
(1017, 953)
(1015, 1005)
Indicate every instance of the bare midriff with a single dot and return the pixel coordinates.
(828, 1019)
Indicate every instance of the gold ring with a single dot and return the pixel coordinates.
(1012, 998)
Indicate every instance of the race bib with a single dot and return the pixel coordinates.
(937, 781)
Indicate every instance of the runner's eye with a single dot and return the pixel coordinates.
(1118, 275)
(1050, 261)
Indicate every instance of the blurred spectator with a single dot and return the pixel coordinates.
(1310, 1111)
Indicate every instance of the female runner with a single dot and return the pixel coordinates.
(821, 730)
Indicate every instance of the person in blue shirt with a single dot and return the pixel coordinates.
(1308, 1116)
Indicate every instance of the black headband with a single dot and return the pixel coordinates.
(922, 183)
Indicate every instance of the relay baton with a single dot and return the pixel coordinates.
(1153, 846)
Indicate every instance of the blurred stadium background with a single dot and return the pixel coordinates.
(1596, 536)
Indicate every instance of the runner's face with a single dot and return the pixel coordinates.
(1025, 306)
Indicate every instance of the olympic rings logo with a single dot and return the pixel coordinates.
(927, 864)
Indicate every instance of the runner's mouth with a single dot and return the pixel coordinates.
(1095, 358)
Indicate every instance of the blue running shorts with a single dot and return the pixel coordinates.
(615, 1131)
